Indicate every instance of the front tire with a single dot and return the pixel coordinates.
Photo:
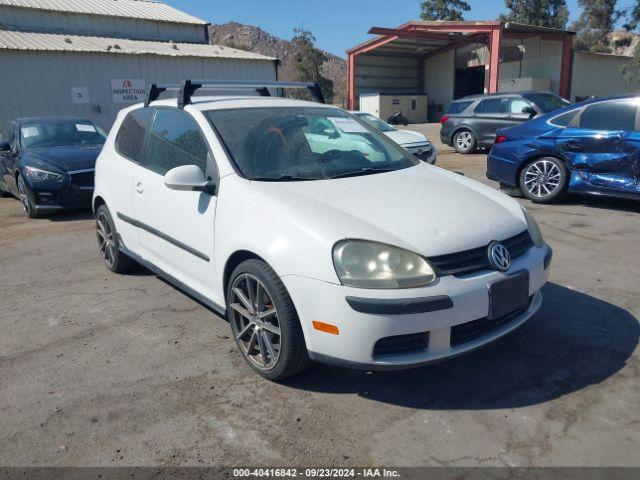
(109, 243)
(465, 142)
(26, 198)
(544, 180)
(264, 322)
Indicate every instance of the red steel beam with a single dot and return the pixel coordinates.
(351, 81)
(566, 69)
(494, 59)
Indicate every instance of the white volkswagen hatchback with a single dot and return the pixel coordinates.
(340, 256)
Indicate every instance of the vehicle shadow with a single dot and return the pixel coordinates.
(575, 341)
(70, 216)
(606, 203)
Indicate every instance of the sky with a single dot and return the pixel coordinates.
(339, 24)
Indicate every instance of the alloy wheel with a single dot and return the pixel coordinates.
(464, 140)
(24, 196)
(254, 322)
(542, 178)
(106, 240)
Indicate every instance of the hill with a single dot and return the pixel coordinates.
(254, 39)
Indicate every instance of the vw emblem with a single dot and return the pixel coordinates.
(499, 257)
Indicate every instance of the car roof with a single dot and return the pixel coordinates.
(24, 120)
(239, 101)
(501, 94)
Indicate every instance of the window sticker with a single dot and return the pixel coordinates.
(348, 125)
(30, 132)
(83, 127)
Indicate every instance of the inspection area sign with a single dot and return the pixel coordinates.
(128, 90)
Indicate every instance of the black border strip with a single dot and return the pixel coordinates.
(163, 236)
(403, 306)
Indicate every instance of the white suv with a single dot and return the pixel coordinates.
(340, 256)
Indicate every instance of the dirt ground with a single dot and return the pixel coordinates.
(99, 369)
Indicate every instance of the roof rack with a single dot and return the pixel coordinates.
(189, 87)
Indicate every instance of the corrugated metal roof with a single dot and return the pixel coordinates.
(143, 9)
(15, 40)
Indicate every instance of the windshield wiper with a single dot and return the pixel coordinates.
(361, 172)
(283, 178)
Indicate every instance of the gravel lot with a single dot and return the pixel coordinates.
(99, 369)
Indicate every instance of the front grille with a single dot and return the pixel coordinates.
(83, 179)
(467, 332)
(475, 260)
(400, 344)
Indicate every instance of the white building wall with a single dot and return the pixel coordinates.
(83, 24)
(541, 59)
(37, 84)
(439, 79)
(600, 75)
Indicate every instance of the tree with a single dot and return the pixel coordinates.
(596, 22)
(308, 61)
(541, 13)
(451, 10)
(631, 70)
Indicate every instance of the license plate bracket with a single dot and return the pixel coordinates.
(508, 295)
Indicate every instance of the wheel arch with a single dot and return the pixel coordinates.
(235, 259)
(97, 203)
(459, 128)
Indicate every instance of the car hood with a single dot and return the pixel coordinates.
(423, 208)
(405, 137)
(65, 158)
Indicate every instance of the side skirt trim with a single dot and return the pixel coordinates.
(163, 236)
(222, 311)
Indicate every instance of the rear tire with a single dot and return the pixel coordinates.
(465, 142)
(545, 180)
(264, 322)
(109, 243)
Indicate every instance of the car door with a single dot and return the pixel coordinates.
(603, 144)
(488, 117)
(176, 228)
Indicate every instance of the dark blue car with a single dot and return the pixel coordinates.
(49, 163)
(589, 148)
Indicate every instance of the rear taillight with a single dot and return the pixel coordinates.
(444, 119)
(501, 139)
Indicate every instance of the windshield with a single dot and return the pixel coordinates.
(61, 133)
(304, 143)
(376, 122)
(547, 102)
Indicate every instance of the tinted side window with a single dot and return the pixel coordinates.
(175, 140)
(490, 105)
(458, 107)
(131, 135)
(609, 116)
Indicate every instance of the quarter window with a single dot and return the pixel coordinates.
(458, 107)
(175, 140)
(490, 105)
(131, 135)
(609, 116)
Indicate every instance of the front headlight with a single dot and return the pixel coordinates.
(38, 175)
(534, 229)
(365, 264)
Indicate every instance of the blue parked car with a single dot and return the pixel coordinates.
(590, 148)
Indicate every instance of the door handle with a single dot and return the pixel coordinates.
(139, 188)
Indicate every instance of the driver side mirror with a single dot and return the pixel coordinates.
(331, 133)
(530, 111)
(189, 178)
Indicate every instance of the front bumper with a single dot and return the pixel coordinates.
(74, 192)
(359, 332)
(424, 152)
